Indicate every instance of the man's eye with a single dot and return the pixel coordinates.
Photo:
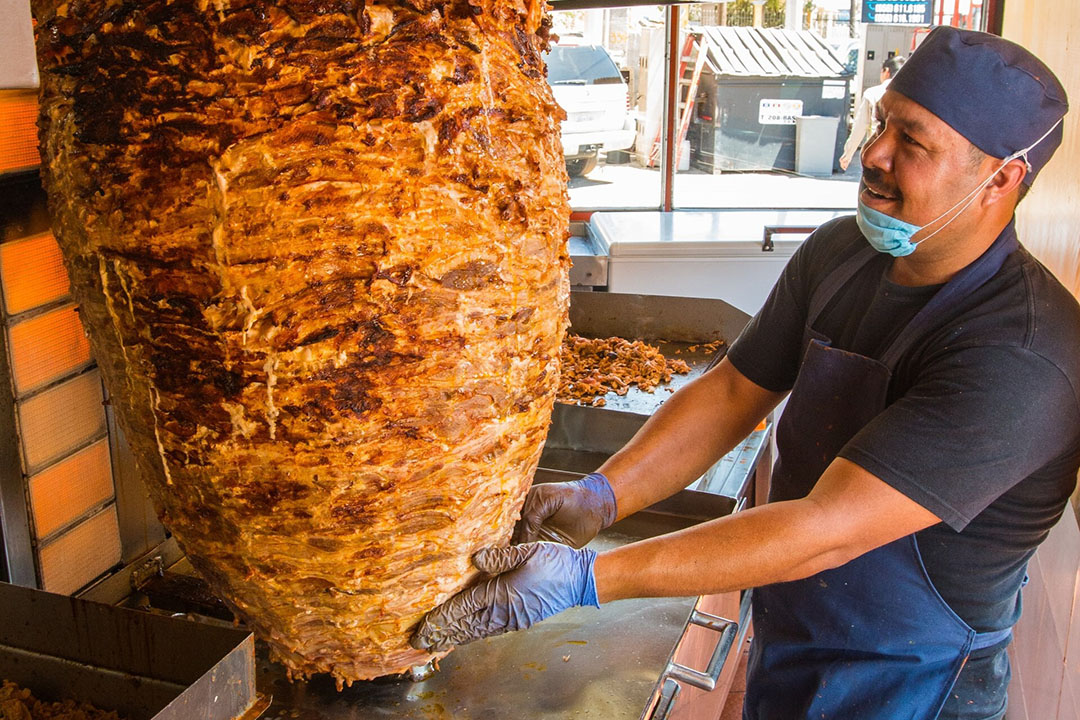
(908, 139)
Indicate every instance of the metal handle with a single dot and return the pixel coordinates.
(666, 701)
(707, 680)
(770, 230)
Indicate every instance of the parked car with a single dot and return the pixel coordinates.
(589, 87)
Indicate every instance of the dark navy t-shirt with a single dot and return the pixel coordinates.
(983, 422)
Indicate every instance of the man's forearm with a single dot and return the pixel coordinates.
(690, 432)
(772, 543)
(848, 513)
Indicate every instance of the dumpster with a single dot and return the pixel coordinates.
(754, 84)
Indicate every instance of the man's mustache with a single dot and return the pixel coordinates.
(874, 178)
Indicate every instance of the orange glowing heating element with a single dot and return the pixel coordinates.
(18, 131)
(32, 273)
(65, 491)
(82, 554)
(47, 347)
(61, 419)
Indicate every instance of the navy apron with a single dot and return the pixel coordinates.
(872, 639)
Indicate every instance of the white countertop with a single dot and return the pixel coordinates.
(699, 233)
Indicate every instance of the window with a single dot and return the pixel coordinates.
(600, 75)
(732, 133)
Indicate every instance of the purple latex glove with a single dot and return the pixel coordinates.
(531, 582)
(571, 513)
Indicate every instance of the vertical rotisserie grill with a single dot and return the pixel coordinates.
(320, 249)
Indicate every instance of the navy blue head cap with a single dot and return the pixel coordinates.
(992, 91)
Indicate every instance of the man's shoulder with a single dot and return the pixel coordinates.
(1053, 314)
(1028, 309)
(834, 241)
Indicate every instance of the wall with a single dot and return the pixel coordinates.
(1046, 653)
(1049, 219)
(18, 69)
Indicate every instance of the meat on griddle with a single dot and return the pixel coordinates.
(594, 367)
(17, 703)
(320, 250)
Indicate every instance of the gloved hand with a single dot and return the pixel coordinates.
(567, 512)
(531, 582)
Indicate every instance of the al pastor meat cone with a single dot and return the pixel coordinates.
(320, 251)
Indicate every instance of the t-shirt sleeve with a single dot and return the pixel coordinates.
(768, 350)
(976, 422)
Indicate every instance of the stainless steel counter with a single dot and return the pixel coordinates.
(589, 262)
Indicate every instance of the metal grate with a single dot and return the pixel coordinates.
(77, 557)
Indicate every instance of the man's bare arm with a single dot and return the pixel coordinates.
(849, 512)
(690, 432)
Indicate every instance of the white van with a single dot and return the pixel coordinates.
(587, 84)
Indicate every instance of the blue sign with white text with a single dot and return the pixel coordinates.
(898, 12)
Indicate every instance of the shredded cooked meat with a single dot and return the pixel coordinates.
(18, 704)
(320, 250)
(594, 367)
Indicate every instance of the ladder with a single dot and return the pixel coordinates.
(693, 53)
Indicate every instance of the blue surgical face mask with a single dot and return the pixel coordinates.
(886, 233)
(894, 236)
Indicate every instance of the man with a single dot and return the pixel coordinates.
(865, 122)
(931, 440)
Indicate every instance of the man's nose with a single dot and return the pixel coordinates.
(877, 153)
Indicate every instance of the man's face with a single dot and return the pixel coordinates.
(917, 167)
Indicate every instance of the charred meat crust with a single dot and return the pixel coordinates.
(319, 248)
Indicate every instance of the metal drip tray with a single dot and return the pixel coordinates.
(143, 666)
(581, 437)
(679, 326)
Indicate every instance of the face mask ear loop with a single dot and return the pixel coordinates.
(970, 197)
(966, 201)
(1024, 153)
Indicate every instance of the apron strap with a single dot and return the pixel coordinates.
(834, 281)
(965, 282)
(989, 639)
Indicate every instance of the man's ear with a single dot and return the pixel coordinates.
(1005, 181)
